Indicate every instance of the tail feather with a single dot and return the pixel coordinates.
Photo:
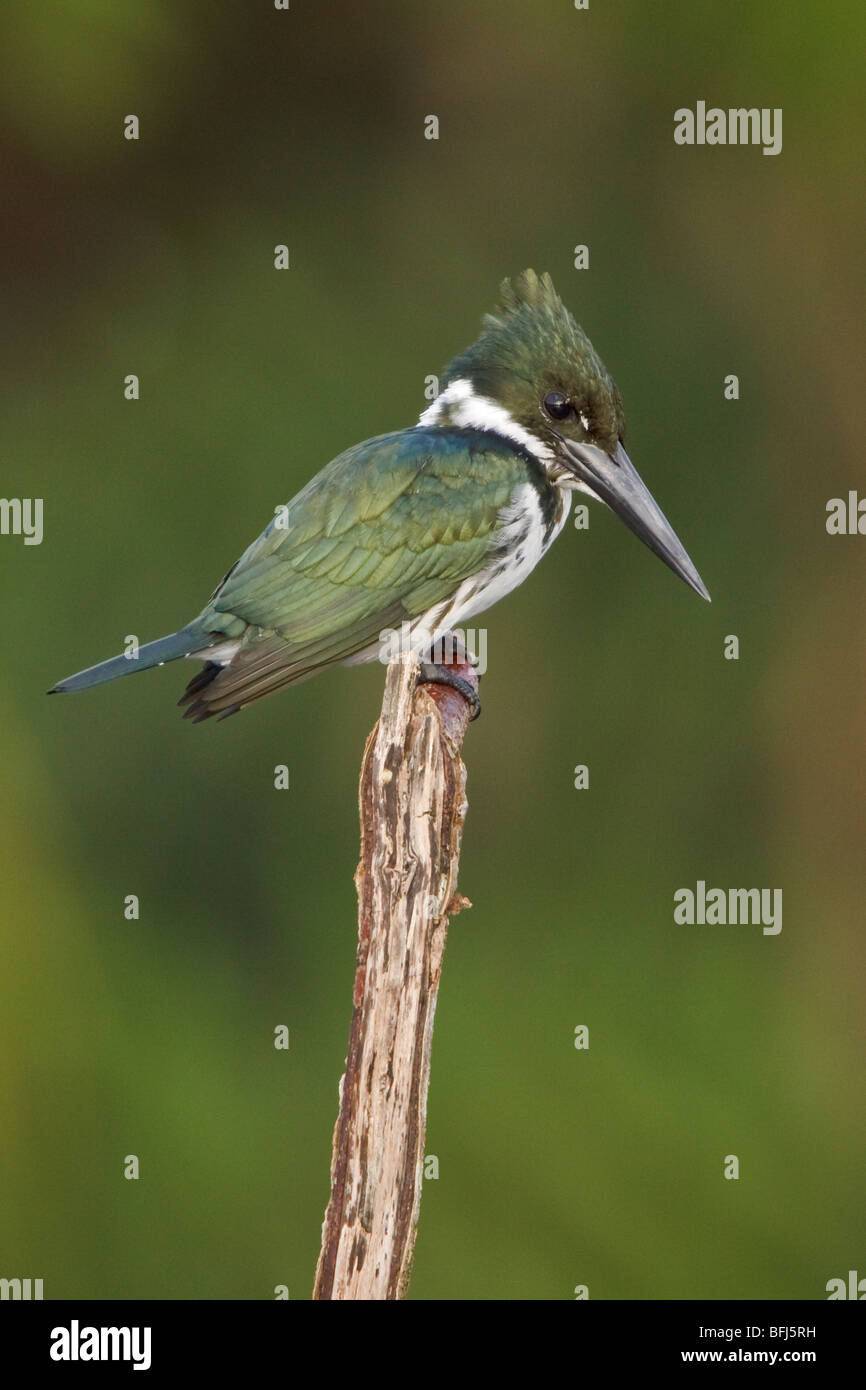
(189, 639)
(208, 672)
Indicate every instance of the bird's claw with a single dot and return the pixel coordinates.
(429, 673)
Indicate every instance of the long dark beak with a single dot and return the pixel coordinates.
(613, 478)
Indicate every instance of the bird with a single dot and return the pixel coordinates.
(422, 528)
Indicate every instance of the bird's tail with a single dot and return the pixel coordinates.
(192, 638)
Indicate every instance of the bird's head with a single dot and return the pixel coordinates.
(534, 376)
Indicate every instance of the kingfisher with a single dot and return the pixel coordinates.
(418, 530)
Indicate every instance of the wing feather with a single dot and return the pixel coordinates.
(385, 532)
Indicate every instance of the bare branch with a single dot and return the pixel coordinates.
(413, 804)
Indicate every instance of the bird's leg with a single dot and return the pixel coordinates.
(451, 663)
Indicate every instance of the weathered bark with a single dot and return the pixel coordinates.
(413, 804)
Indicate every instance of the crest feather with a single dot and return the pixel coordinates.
(529, 304)
(530, 329)
(536, 291)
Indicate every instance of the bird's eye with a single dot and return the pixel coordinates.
(557, 405)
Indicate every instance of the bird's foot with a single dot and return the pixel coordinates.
(449, 673)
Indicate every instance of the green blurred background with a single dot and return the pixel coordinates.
(155, 1037)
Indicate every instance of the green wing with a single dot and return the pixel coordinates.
(385, 532)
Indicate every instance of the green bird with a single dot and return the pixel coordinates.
(419, 530)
